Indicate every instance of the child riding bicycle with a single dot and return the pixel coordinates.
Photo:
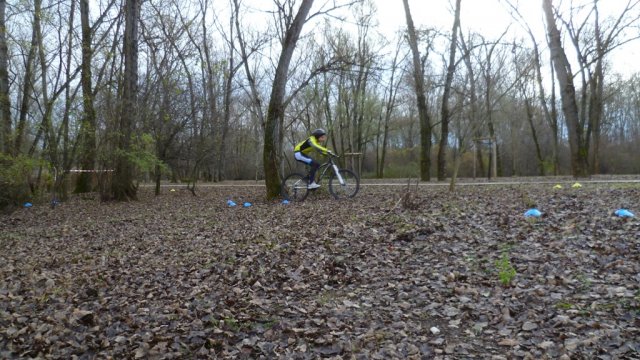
(304, 148)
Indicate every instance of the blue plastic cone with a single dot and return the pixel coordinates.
(624, 213)
(532, 213)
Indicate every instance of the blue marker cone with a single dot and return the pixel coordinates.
(532, 213)
(247, 204)
(624, 213)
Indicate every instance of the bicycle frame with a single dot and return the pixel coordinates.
(330, 164)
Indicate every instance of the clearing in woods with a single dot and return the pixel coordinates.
(388, 274)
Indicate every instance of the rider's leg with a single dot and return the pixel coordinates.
(314, 165)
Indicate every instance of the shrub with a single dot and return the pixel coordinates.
(16, 179)
(506, 271)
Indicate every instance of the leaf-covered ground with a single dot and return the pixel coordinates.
(432, 275)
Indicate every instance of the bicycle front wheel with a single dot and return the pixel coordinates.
(349, 186)
(294, 187)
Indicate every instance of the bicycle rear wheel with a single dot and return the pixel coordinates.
(348, 189)
(294, 187)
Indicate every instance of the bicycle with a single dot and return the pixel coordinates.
(343, 183)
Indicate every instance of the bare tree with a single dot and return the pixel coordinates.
(359, 73)
(275, 112)
(390, 103)
(87, 135)
(445, 113)
(593, 42)
(470, 128)
(564, 74)
(524, 72)
(423, 111)
(5, 100)
(26, 93)
(494, 73)
(548, 106)
(122, 186)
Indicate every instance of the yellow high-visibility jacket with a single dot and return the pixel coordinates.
(310, 144)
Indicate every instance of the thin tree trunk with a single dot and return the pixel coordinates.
(228, 93)
(5, 100)
(46, 128)
(59, 187)
(595, 116)
(445, 114)
(390, 105)
(457, 159)
(88, 124)
(423, 111)
(548, 114)
(27, 90)
(534, 135)
(554, 125)
(122, 186)
(596, 98)
(564, 75)
(477, 152)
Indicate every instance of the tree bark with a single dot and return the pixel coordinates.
(88, 125)
(390, 105)
(529, 108)
(5, 100)
(445, 113)
(423, 111)
(122, 186)
(579, 152)
(273, 127)
(473, 103)
(27, 89)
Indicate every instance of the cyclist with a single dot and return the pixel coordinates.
(304, 148)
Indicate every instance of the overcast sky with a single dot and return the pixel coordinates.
(491, 18)
(488, 17)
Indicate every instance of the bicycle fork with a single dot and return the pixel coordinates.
(337, 172)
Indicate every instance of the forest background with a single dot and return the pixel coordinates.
(123, 91)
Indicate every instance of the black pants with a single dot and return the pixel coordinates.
(308, 161)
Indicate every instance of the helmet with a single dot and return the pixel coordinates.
(318, 132)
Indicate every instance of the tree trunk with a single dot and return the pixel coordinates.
(27, 89)
(473, 103)
(596, 98)
(457, 160)
(534, 135)
(46, 128)
(595, 116)
(67, 157)
(228, 94)
(548, 114)
(564, 75)
(88, 125)
(273, 127)
(423, 111)
(122, 186)
(5, 100)
(451, 68)
(554, 126)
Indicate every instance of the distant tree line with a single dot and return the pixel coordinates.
(198, 90)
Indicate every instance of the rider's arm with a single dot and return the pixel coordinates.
(316, 145)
